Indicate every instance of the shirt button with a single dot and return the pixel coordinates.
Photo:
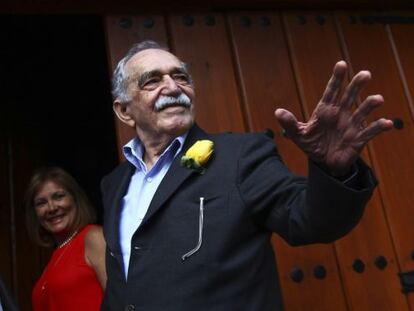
(149, 179)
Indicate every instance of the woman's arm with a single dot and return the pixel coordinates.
(95, 253)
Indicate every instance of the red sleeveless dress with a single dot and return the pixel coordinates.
(67, 282)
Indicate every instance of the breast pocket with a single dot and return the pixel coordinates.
(202, 221)
(191, 204)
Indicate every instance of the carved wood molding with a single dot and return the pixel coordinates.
(134, 7)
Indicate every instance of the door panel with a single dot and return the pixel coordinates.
(26, 155)
(121, 33)
(201, 41)
(269, 83)
(6, 242)
(401, 37)
(368, 47)
(315, 49)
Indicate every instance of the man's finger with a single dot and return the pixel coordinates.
(335, 82)
(288, 122)
(363, 110)
(375, 128)
(359, 81)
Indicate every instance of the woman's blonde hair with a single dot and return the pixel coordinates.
(85, 213)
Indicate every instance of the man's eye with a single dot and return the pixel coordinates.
(180, 77)
(151, 82)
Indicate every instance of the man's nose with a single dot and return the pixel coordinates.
(170, 86)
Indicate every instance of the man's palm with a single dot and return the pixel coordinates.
(335, 135)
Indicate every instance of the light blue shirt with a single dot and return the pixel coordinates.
(141, 189)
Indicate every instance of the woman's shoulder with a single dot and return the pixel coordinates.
(94, 236)
(93, 229)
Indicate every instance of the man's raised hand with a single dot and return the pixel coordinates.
(335, 134)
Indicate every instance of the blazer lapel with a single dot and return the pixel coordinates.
(175, 176)
(118, 189)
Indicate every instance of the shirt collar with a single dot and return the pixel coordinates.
(133, 150)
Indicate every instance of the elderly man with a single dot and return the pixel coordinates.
(190, 229)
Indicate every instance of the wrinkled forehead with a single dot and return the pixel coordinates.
(151, 60)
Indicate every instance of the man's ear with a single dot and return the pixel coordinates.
(122, 112)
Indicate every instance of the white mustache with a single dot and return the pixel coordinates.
(165, 101)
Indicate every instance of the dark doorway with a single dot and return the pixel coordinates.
(55, 110)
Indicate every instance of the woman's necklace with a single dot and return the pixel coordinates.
(48, 268)
(70, 238)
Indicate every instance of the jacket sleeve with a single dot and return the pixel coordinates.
(317, 209)
(6, 300)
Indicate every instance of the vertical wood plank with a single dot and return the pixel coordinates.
(401, 37)
(5, 213)
(316, 48)
(368, 47)
(29, 261)
(268, 83)
(121, 33)
(201, 41)
(266, 77)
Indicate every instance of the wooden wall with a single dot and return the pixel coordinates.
(245, 65)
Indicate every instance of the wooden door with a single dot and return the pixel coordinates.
(269, 82)
(315, 45)
(392, 154)
(6, 239)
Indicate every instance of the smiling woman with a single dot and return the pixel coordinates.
(55, 210)
(58, 213)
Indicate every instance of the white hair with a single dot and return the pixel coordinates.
(120, 79)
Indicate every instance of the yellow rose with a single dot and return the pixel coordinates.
(198, 155)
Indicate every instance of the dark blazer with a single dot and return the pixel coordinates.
(7, 301)
(248, 194)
